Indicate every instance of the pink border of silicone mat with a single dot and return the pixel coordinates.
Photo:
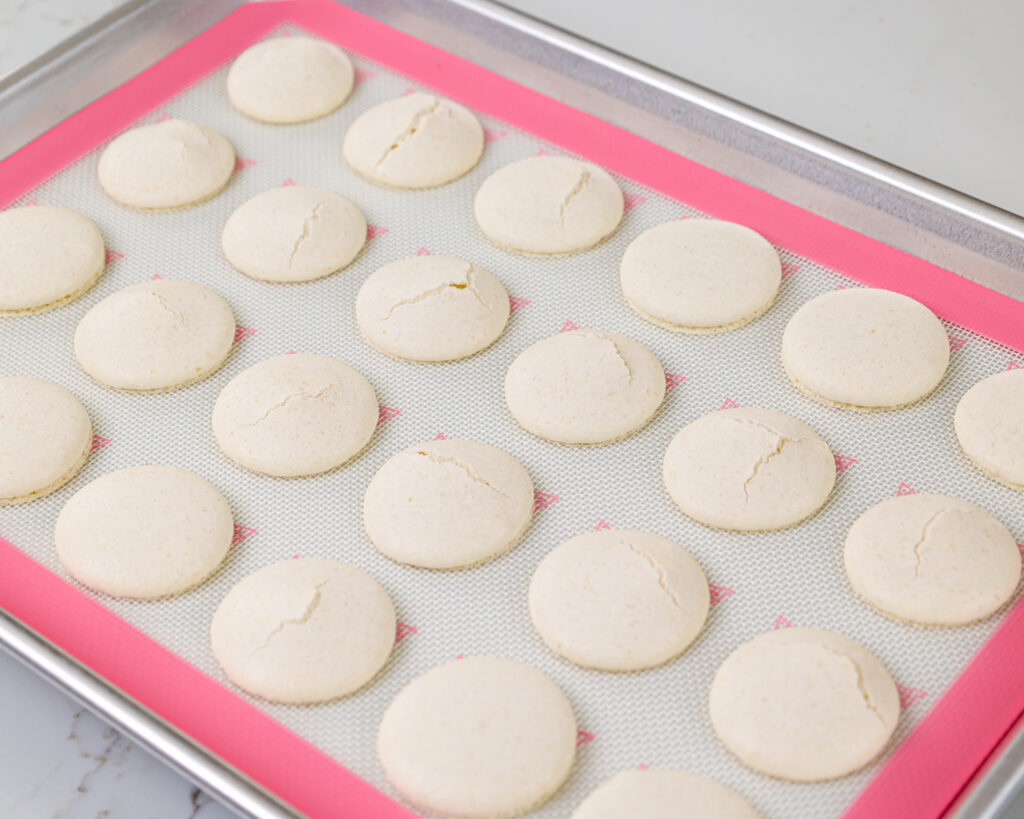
(922, 776)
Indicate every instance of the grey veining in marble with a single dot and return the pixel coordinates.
(58, 761)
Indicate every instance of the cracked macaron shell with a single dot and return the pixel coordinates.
(305, 630)
(700, 275)
(50, 256)
(659, 793)
(619, 600)
(803, 704)
(290, 79)
(144, 532)
(548, 205)
(155, 335)
(478, 738)
(295, 415)
(169, 164)
(293, 233)
(414, 141)
(432, 308)
(584, 387)
(448, 504)
(989, 423)
(748, 469)
(46, 435)
(932, 559)
(864, 348)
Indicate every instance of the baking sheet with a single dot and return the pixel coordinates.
(654, 718)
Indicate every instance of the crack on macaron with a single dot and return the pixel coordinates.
(659, 573)
(442, 288)
(202, 134)
(762, 461)
(307, 226)
(295, 396)
(614, 346)
(926, 530)
(163, 303)
(190, 130)
(780, 443)
(438, 458)
(417, 120)
(302, 619)
(580, 184)
(860, 678)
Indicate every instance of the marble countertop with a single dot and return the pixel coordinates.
(58, 760)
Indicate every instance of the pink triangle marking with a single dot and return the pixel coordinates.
(956, 343)
(841, 287)
(163, 116)
(842, 462)
(568, 326)
(156, 276)
(423, 252)
(295, 557)
(98, 442)
(440, 437)
(403, 630)
(515, 304)
(363, 74)
(908, 695)
(460, 656)
(632, 200)
(673, 380)
(642, 766)
(373, 231)
(408, 90)
(903, 489)
(291, 352)
(601, 525)
(241, 533)
(288, 182)
(781, 622)
(241, 163)
(29, 203)
(242, 332)
(112, 256)
(542, 152)
(789, 267)
(1013, 365)
(493, 135)
(542, 500)
(728, 403)
(386, 414)
(583, 737)
(718, 593)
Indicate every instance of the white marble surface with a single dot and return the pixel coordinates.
(57, 760)
(932, 86)
(30, 27)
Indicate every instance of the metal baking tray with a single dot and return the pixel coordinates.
(927, 220)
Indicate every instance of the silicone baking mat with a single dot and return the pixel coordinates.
(759, 582)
